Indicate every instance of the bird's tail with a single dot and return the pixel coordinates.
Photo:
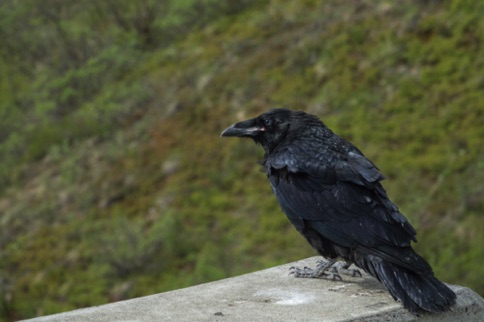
(417, 292)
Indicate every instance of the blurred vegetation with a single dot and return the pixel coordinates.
(114, 183)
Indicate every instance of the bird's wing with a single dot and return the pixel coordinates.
(352, 179)
(342, 199)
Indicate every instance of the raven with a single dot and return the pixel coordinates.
(332, 194)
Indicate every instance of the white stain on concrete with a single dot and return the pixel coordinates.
(285, 297)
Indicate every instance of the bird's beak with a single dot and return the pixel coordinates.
(244, 128)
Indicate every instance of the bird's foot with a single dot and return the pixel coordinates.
(342, 268)
(319, 272)
(326, 270)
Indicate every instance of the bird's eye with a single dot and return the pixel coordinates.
(267, 122)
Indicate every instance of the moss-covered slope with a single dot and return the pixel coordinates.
(116, 183)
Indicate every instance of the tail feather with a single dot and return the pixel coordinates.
(417, 292)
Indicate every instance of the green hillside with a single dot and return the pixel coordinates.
(114, 182)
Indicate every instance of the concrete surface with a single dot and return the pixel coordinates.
(273, 295)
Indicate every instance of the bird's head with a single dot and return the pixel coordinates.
(272, 127)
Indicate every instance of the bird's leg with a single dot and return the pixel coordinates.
(319, 272)
(342, 268)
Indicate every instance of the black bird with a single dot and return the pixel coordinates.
(333, 196)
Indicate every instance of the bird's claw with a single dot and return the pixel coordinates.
(326, 270)
(307, 272)
(342, 268)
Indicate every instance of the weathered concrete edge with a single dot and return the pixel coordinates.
(273, 295)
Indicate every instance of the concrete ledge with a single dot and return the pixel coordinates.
(273, 295)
